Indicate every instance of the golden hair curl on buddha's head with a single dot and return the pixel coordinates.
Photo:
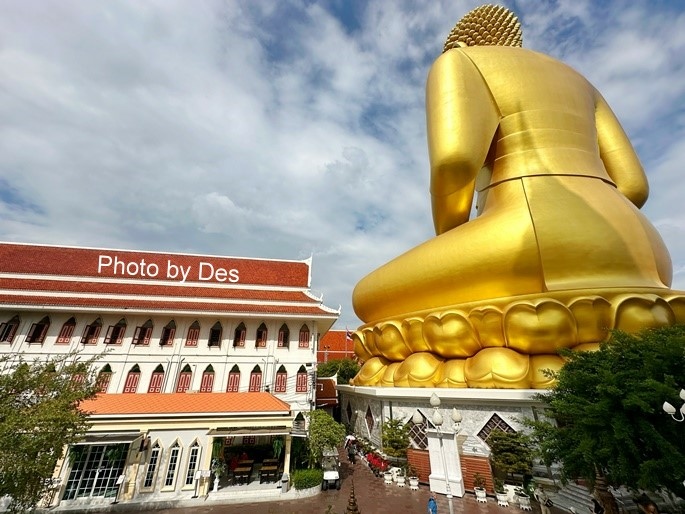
(557, 252)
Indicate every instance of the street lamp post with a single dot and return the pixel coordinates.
(670, 409)
(438, 421)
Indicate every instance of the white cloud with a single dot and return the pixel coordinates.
(278, 129)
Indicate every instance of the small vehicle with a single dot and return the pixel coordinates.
(331, 469)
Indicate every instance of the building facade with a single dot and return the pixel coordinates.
(171, 326)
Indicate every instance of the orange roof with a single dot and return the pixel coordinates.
(184, 403)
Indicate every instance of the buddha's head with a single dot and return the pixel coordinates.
(486, 25)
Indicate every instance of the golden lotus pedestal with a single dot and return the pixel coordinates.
(507, 342)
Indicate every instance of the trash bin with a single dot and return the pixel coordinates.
(284, 483)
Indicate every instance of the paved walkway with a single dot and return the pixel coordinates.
(373, 497)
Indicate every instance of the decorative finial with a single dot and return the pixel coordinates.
(352, 503)
(486, 25)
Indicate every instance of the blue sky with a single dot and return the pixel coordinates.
(284, 129)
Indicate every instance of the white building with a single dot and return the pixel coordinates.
(245, 330)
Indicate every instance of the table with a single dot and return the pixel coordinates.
(242, 474)
(268, 474)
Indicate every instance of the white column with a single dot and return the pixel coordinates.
(442, 450)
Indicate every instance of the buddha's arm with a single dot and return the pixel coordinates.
(462, 117)
(617, 153)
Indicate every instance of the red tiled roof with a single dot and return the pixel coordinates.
(184, 403)
(334, 345)
(178, 290)
(68, 278)
(336, 341)
(169, 305)
(66, 261)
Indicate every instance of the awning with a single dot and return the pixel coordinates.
(110, 437)
(233, 431)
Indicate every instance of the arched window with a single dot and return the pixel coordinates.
(207, 383)
(215, 335)
(255, 379)
(172, 466)
(184, 379)
(132, 379)
(152, 464)
(304, 337)
(233, 380)
(281, 380)
(168, 332)
(38, 330)
(193, 460)
(284, 336)
(193, 334)
(67, 331)
(156, 380)
(104, 378)
(115, 333)
(143, 334)
(239, 336)
(8, 329)
(301, 386)
(261, 336)
(91, 333)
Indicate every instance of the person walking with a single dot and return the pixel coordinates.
(432, 505)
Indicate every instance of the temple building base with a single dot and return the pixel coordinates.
(461, 448)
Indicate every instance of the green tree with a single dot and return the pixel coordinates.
(324, 432)
(346, 369)
(512, 452)
(39, 416)
(606, 423)
(395, 438)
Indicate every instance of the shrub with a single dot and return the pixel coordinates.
(307, 478)
(479, 481)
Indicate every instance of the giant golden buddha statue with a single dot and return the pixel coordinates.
(558, 253)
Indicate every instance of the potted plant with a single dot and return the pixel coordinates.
(501, 493)
(218, 467)
(479, 487)
(523, 498)
(413, 477)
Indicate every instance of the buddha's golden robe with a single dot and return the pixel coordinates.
(558, 189)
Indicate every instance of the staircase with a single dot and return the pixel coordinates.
(578, 497)
(572, 495)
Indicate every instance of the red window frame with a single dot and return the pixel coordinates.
(142, 335)
(281, 382)
(184, 379)
(304, 339)
(233, 382)
(282, 343)
(156, 382)
(104, 378)
(255, 381)
(193, 336)
(116, 333)
(132, 380)
(91, 334)
(302, 383)
(37, 333)
(207, 384)
(65, 333)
